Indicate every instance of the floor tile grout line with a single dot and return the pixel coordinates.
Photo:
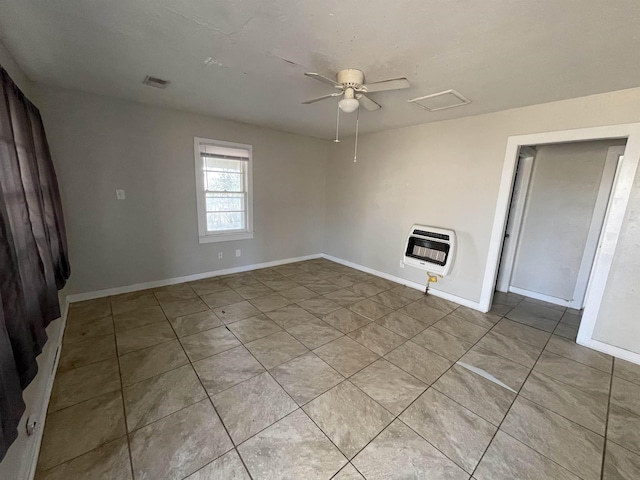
(606, 424)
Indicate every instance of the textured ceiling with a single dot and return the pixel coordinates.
(499, 53)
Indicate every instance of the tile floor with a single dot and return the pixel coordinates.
(315, 371)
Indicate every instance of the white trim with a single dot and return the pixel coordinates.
(540, 296)
(31, 456)
(613, 220)
(203, 236)
(79, 297)
(514, 221)
(612, 350)
(595, 226)
(408, 283)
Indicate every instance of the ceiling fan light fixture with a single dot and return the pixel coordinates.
(349, 105)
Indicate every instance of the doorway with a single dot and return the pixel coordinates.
(557, 209)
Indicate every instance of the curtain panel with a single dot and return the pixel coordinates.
(33, 250)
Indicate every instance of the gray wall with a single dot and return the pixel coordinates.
(100, 144)
(560, 201)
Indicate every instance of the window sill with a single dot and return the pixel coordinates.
(225, 237)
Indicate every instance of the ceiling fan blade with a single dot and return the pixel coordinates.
(323, 79)
(393, 84)
(367, 103)
(314, 100)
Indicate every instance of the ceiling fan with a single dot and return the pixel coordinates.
(352, 88)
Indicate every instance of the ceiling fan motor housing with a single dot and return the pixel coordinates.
(350, 78)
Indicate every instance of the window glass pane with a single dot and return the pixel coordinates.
(225, 202)
(225, 221)
(224, 181)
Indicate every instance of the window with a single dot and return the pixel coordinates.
(224, 189)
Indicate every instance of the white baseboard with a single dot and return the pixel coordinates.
(79, 297)
(541, 296)
(609, 349)
(408, 283)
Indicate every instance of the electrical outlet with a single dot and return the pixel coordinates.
(220, 255)
(238, 252)
(401, 264)
(120, 195)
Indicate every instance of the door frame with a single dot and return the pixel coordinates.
(620, 194)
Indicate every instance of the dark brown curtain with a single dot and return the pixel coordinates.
(33, 250)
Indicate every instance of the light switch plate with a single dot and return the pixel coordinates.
(238, 252)
(120, 195)
(220, 255)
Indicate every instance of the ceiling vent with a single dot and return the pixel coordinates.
(441, 100)
(155, 82)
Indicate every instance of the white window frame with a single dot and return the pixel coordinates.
(226, 236)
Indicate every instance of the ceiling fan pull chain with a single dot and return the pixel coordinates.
(355, 153)
(337, 140)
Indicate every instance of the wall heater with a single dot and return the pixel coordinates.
(431, 249)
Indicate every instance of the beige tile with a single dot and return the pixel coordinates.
(146, 363)
(290, 316)
(576, 448)
(573, 373)
(209, 342)
(298, 294)
(280, 285)
(569, 349)
(142, 337)
(162, 395)
(344, 297)
(346, 355)
(236, 311)
(367, 289)
(348, 417)
(172, 293)
(419, 362)
(321, 286)
(195, 323)
(133, 301)
(296, 448)
(624, 428)
(485, 320)
(80, 428)
(481, 396)
(349, 472)
(138, 318)
(252, 406)
(370, 309)
(83, 330)
(521, 332)
(264, 274)
(306, 377)
(510, 348)
(408, 292)
(620, 464)
(226, 369)
(438, 303)
(469, 332)
(535, 316)
(567, 331)
(510, 373)
(399, 452)
(253, 291)
(80, 384)
(508, 459)
(444, 344)
(110, 461)
(377, 338)
(424, 313)
(388, 385)
(345, 320)
(390, 299)
(180, 308)
(89, 309)
(342, 281)
(227, 467)
(401, 324)
(457, 432)
(208, 285)
(319, 305)
(221, 298)
(578, 406)
(626, 395)
(86, 352)
(627, 370)
(253, 328)
(179, 444)
(314, 333)
(276, 349)
(238, 280)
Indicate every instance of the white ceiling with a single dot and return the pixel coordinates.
(499, 53)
